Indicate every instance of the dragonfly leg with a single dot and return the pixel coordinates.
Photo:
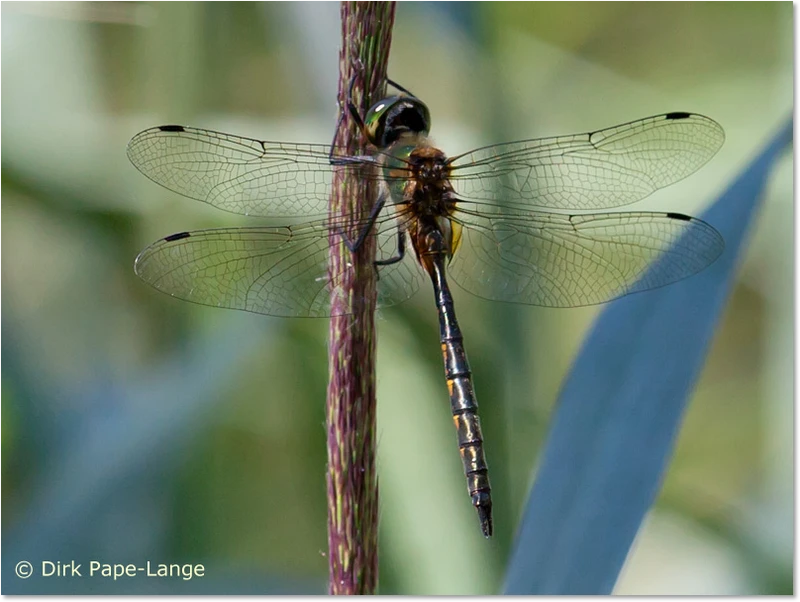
(345, 159)
(351, 107)
(362, 236)
(331, 157)
(353, 110)
(399, 87)
(401, 251)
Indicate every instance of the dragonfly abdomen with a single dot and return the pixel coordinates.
(463, 404)
(468, 427)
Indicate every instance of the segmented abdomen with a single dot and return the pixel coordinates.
(468, 426)
(462, 401)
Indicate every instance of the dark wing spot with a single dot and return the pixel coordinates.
(677, 115)
(177, 236)
(679, 216)
(172, 128)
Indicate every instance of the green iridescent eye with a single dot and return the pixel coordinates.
(374, 120)
(391, 117)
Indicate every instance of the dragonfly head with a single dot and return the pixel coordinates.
(392, 117)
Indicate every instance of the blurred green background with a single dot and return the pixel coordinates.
(137, 427)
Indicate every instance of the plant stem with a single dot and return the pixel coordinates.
(350, 412)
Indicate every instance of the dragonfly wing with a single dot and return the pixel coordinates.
(240, 175)
(557, 260)
(607, 168)
(279, 271)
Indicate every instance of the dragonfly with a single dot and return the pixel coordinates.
(522, 222)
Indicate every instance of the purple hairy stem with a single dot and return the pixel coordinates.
(350, 412)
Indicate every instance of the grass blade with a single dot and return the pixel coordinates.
(619, 413)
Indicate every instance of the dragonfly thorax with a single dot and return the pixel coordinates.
(431, 201)
(424, 180)
(429, 167)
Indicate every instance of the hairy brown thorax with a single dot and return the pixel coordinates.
(429, 197)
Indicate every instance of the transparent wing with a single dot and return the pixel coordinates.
(280, 271)
(596, 170)
(556, 260)
(240, 175)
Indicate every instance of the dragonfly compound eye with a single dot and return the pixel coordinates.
(392, 117)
